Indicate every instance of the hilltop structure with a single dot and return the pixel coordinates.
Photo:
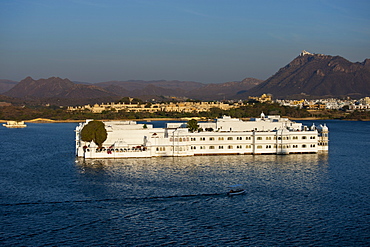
(304, 52)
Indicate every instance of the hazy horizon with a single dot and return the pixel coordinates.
(203, 41)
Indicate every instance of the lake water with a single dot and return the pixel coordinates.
(48, 198)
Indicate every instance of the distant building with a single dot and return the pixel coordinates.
(168, 107)
(330, 104)
(263, 98)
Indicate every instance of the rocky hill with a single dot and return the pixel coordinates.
(188, 89)
(148, 88)
(6, 85)
(64, 91)
(221, 91)
(139, 84)
(317, 75)
(307, 76)
(57, 90)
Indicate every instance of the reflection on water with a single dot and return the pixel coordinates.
(202, 174)
(300, 161)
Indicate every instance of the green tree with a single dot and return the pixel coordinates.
(193, 125)
(125, 100)
(94, 131)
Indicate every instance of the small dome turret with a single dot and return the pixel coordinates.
(325, 128)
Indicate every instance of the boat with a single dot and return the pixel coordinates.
(236, 189)
(15, 124)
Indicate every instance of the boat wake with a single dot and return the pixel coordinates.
(125, 199)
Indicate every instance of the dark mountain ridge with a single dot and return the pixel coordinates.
(56, 88)
(64, 91)
(221, 91)
(317, 75)
(6, 85)
(139, 84)
(307, 76)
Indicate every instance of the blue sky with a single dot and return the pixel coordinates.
(208, 41)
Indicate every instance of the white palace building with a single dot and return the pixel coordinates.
(225, 136)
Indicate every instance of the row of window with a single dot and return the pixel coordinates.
(286, 146)
(239, 138)
(221, 147)
(160, 149)
(163, 149)
(323, 144)
(220, 138)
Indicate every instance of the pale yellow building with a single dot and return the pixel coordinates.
(263, 98)
(168, 107)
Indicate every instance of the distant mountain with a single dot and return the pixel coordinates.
(190, 89)
(6, 85)
(221, 91)
(307, 76)
(82, 82)
(317, 75)
(157, 91)
(138, 84)
(57, 88)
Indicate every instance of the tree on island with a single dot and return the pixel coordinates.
(128, 100)
(94, 131)
(193, 125)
